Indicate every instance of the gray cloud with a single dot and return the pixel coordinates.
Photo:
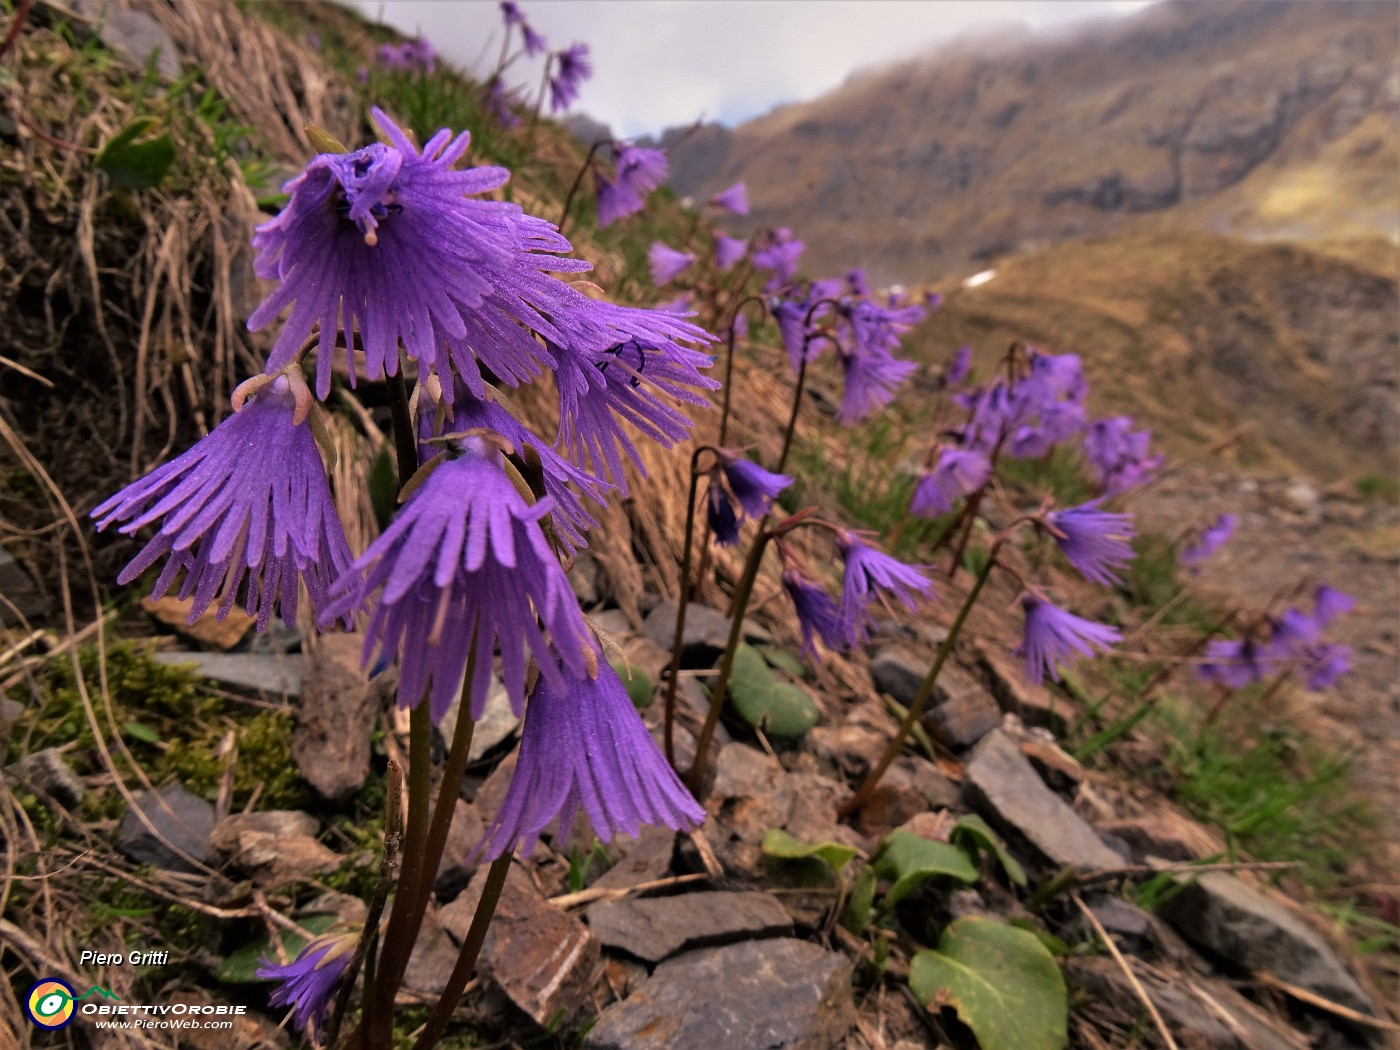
(660, 63)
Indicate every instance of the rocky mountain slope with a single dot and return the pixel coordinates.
(1250, 118)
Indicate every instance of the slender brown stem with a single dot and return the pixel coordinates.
(16, 24)
(405, 442)
(729, 364)
(449, 790)
(916, 708)
(578, 181)
(969, 518)
(682, 601)
(466, 959)
(696, 777)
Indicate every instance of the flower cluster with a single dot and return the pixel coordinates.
(1292, 642)
(412, 56)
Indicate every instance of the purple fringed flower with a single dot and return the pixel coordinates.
(817, 615)
(1096, 542)
(871, 574)
(667, 263)
(1119, 454)
(1053, 637)
(872, 377)
(735, 199)
(386, 244)
(1330, 603)
(1210, 540)
(585, 747)
(464, 566)
(957, 473)
(572, 70)
(308, 982)
(1235, 663)
(778, 253)
(754, 487)
(1324, 665)
(719, 511)
(639, 172)
(499, 101)
(511, 12)
(534, 43)
(728, 251)
(959, 367)
(634, 372)
(250, 502)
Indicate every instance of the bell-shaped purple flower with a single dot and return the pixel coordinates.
(957, 473)
(1330, 603)
(638, 172)
(248, 507)
(1119, 454)
(512, 14)
(534, 43)
(309, 982)
(959, 367)
(585, 747)
(1097, 542)
(1054, 637)
(728, 251)
(720, 513)
(667, 263)
(872, 378)
(872, 575)
(778, 253)
(754, 487)
(571, 70)
(1235, 663)
(1211, 539)
(818, 615)
(463, 568)
(735, 199)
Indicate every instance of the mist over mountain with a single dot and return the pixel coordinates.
(1252, 119)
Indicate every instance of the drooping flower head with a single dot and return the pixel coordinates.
(500, 102)
(1235, 663)
(1053, 637)
(721, 515)
(871, 575)
(386, 244)
(1330, 603)
(959, 367)
(1097, 542)
(1211, 539)
(464, 568)
(872, 378)
(957, 473)
(638, 172)
(818, 615)
(585, 747)
(308, 983)
(1119, 454)
(246, 508)
(728, 251)
(754, 488)
(571, 70)
(534, 43)
(777, 252)
(511, 12)
(667, 263)
(735, 199)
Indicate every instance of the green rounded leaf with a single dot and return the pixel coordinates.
(973, 833)
(1002, 982)
(778, 708)
(910, 860)
(784, 660)
(859, 905)
(240, 966)
(133, 162)
(778, 843)
(637, 682)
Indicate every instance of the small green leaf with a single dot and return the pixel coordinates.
(784, 660)
(778, 708)
(856, 915)
(778, 843)
(1002, 982)
(638, 683)
(240, 966)
(142, 732)
(909, 860)
(973, 833)
(383, 486)
(137, 163)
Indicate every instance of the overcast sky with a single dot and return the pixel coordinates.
(661, 63)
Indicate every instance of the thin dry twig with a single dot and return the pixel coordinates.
(1128, 972)
(1313, 999)
(599, 893)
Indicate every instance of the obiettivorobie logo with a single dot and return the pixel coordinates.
(50, 1002)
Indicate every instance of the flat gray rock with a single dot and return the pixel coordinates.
(656, 928)
(336, 716)
(24, 599)
(1004, 787)
(132, 35)
(181, 819)
(705, 635)
(1218, 912)
(646, 860)
(756, 995)
(271, 674)
(496, 725)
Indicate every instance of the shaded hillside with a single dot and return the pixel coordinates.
(1199, 334)
(1247, 118)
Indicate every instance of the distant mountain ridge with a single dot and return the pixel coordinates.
(1251, 118)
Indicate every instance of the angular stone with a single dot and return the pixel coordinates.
(434, 956)
(656, 928)
(181, 820)
(586, 579)
(280, 822)
(962, 720)
(541, 958)
(755, 995)
(463, 834)
(705, 636)
(853, 749)
(207, 629)
(1057, 767)
(335, 718)
(132, 35)
(646, 860)
(613, 622)
(1002, 785)
(1029, 701)
(21, 592)
(275, 860)
(495, 726)
(1151, 837)
(265, 673)
(1218, 912)
(898, 671)
(47, 771)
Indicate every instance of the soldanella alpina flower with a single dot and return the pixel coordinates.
(308, 982)
(247, 508)
(572, 68)
(735, 199)
(871, 575)
(818, 615)
(1211, 539)
(957, 473)
(464, 569)
(1119, 454)
(1096, 542)
(728, 251)
(638, 171)
(872, 377)
(667, 263)
(1053, 637)
(585, 747)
